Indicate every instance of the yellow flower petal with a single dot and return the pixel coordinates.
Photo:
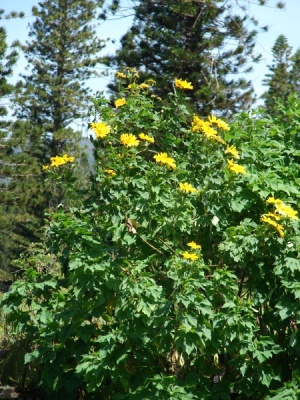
(120, 103)
(129, 140)
(180, 84)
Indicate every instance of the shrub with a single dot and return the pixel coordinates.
(179, 273)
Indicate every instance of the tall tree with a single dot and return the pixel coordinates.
(61, 57)
(204, 42)
(278, 80)
(8, 58)
(62, 51)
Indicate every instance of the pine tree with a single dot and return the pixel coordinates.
(61, 56)
(62, 51)
(8, 58)
(203, 42)
(278, 80)
(294, 78)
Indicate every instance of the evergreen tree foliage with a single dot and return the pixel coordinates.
(62, 52)
(8, 58)
(209, 44)
(278, 80)
(295, 73)
(61, 56)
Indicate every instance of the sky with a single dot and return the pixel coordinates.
(284, 22)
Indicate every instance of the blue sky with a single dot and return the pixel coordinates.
(284, 22)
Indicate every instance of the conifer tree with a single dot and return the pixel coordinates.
(8, 58)
(62, 51)
(61, 55)
(295, 73)
(209, 43)
(278, 80)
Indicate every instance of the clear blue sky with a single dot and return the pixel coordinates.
(284, 22)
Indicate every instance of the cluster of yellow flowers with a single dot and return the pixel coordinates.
(163, 158)
(110, 172)
(199, 125)
(187, 187)
(144, 86)
(57, 161)
(153, 96)
(281, 210)
(206, 127)
(191, 256)
(131, 72)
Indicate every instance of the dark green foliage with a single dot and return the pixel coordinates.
(61, 55)
(127, 315)
(210, 44)
(52, 97)
(294, 77)
(278, 80)
(7, 60)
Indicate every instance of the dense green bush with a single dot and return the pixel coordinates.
(180, 273)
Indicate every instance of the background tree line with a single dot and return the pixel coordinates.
(209, 43)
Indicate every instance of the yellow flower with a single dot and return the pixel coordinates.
(208, 130)
(199, 125)
(272, 200)
(233, 151)
(163, 158)
(237, 169)
(58, 160)
(194, 245)
(282, 209)
(286, 211)
(101, 129)
(190, 256)
(272, 215)
(144, 86)
(45, 167)
(129, 140)
(121, 75)
(146, 137)
(220, 124)
(159, 98)
(151, 81)
(183, 84)
(278, 227)
(110, 172)
(133, 86)
(120, 102)
(187, 187)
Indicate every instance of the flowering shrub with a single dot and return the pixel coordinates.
(174, 283)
